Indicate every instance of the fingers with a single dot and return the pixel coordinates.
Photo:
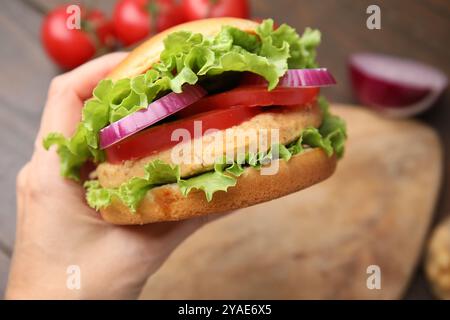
(68, 92)
(171, 234)
(83, 79)
(161, 239)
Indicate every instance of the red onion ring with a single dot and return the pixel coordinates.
(395, 86)
(156, 111)
(295, 78)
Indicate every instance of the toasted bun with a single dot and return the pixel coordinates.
(166, 203)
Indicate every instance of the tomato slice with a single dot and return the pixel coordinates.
(158, 138)
(253, 96)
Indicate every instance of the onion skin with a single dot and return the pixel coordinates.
(395, 86)
(372, 91)
(294, 78)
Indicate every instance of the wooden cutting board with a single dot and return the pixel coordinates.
(318, 243)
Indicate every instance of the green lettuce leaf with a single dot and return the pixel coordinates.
(70, 163)
(209, 183)
(186, 58)
(302, 49)
(333, 129)
(235, 169)
(96, 196)
(133, 191)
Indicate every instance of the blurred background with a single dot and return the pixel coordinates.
(413, 29)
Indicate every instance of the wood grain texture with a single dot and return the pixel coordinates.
(25, 76)
(43, 6)
(318, 243)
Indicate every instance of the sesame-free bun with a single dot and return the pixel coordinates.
(166, 203)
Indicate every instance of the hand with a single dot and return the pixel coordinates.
(55, 227)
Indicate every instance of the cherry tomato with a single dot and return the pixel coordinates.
(200, 9)
(158, 138)
(135, 20)
(253, 96)
(69, 47)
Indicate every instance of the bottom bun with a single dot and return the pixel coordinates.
(166, 203)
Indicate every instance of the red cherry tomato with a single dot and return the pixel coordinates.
(158, 138)
(135, 20)
(253, 96)
(200, 9)
(70, 48)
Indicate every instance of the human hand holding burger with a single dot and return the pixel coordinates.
(231, 75)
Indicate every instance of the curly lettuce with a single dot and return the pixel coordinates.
(330, 137)
(186, 58)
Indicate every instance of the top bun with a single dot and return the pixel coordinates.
(148, 53)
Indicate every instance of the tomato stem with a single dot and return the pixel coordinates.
(153, 10)
(90, 29)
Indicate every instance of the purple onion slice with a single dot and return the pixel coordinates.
(156, 111)
(395, 86)
(295, 78)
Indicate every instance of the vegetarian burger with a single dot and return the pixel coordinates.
(208, 116)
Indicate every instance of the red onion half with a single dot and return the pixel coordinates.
(395, 86)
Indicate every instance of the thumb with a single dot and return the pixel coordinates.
(68, 92)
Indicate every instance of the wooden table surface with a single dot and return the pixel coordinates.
(417, 29)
